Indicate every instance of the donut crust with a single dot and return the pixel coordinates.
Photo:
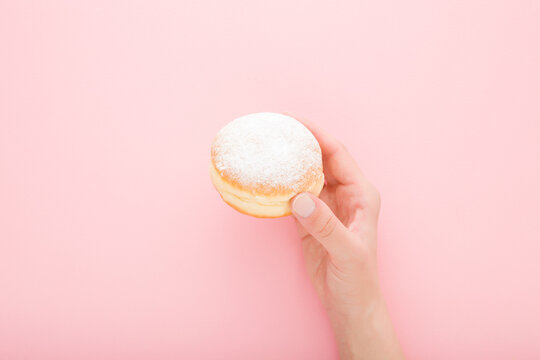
(260, 201)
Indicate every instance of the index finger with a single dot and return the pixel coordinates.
(339, 166)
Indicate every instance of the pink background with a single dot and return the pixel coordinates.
(114, 245)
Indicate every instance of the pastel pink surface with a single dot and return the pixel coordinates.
(114, 245)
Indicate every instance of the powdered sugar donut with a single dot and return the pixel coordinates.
(260, 161)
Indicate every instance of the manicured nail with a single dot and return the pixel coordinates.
(303, 205)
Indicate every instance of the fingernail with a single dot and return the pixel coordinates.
(303, 205)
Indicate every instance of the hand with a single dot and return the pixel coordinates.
(339, 235)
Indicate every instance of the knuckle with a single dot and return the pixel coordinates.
(328, 227)
(305, 237)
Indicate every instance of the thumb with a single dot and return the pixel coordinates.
(319, 221)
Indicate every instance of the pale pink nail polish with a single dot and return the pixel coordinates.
(303, 205)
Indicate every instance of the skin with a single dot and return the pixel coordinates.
(339, 239)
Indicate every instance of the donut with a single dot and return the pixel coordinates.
(262, 160)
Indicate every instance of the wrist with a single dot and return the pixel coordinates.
(366, 332)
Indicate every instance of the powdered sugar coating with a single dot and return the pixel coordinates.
(268, 150)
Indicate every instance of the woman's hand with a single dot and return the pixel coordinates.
(339, 236)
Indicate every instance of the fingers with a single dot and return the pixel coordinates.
(329, 144)
(339, 166)
(319, 221)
